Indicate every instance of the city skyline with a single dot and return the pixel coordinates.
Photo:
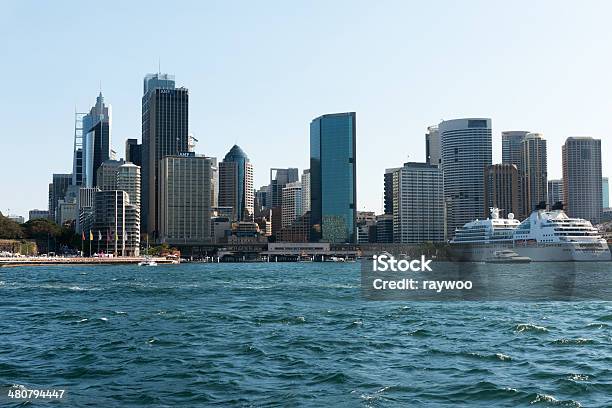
(224, 90)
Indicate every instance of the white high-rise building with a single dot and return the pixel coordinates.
(432, 146)
(185, 198)
(534, 172)
(306, 191)
(291, 203)
(128, 180)
(582, 189)
(466, 152)
(418, 204)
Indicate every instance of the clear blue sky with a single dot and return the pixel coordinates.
(258, 72)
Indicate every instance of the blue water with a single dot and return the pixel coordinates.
(288, 335)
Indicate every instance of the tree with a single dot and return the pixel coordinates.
(41, 228)
(9, 229)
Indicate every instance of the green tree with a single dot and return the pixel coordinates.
(9, 229)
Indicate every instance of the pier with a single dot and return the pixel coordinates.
(46, 261)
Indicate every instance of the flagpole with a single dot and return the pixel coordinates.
(89, 243)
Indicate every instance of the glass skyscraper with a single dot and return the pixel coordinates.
(165, 117)
(333, 192)
(236, 184)
(96, 128)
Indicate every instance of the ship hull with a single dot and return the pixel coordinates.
(565, 252)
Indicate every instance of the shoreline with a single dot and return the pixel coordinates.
(31, 261)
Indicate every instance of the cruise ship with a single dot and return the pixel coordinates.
(546, 236)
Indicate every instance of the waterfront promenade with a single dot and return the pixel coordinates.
(33, 261)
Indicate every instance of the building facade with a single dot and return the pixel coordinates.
(582, 178)
(291, 204)
(418, 204)
(555, 191)
(133, 152)
(501, 189)
(306, 191)
(128, 180)
(165, 118)
(106, 177)
(333, 188)
(236, 184)
(466, 151)
(534, 172)
(97, 127)
(185, 199)
(117, 222)
(37, 214)
(57, 192)
(605, 191)
(432, 146)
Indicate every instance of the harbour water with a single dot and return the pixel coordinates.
(289, 334)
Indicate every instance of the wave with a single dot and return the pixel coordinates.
(529, 327)
(578, 341)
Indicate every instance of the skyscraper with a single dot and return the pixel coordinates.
(133, 152)
(418, 204)
(57, 192)
(128, 180)
(466, 152)
(511, 146)
(534, 171)
(97, 128)
(582, 178)
(432, 146)
(165, 116)
(306, 191)
(512, 153)
(292, 203)
(236, 184)
(555, 191)
(185, 199)
(605, 191)
(106, 175)
(333, 188)
(501, 188)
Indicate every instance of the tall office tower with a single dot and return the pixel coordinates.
(466, 151)
(533, 171)
(279, 178)
(50, 203)
(164, 132)
(214, 180)
(128, 180)
(133, 152)
(236, 184)
(418, 204)
(96, 130)
(84, 207)
(501, 188)
(512, 153)
(384, 228)
(260, 200)
(184, 203)
(78, 158)
(605, 192)
(106, 175)
(512, 147)
(555, 191)
(333, 184)
(388, 190)
(36, 214)
(305, 191)
(118, 221)
(582, 178)
(59, 187)
(432, 146)
(291, 208)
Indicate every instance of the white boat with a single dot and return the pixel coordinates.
(507, 256)
(147, 262)
(545, 236)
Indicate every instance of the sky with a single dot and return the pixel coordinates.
(259, 72)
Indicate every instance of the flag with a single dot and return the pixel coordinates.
(90, 235)
(116, 237)
(82, 235)
(108, 236)
(99, 235)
